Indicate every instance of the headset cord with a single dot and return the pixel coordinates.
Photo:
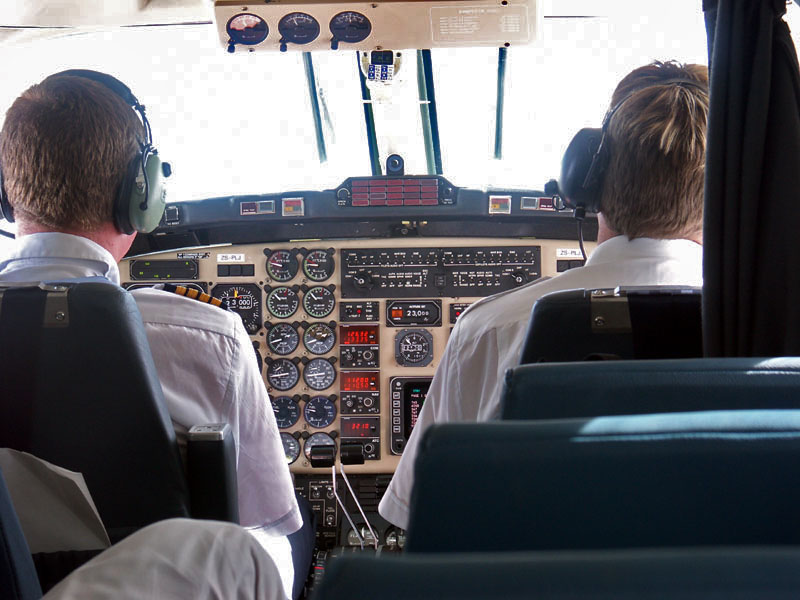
(580, 215)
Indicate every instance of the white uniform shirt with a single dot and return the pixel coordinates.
(487, 340)
(206, 366)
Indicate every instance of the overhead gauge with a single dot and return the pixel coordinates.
(282, 265)
(283, 302)
(297, 28)
(319, 302)
(319, 412)
(413, 347)
(287, 411)
(291, 447)
(349, 27)
(319, 374)
(319, 338)
(318, 265)
(318, 439)
(282, 374)
(283, 339)
(247, 29)
(243, 299)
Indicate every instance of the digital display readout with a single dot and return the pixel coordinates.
(413, 398)
(359, 381)
(358, 334)
(400, 313)
(359, 427)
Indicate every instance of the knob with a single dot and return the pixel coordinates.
(364, 281)
(519, 277)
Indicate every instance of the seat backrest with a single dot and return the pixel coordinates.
(79, 389)
(18, 580)
(580, 390)
(683, 479)
(620, 323)
(718, 573)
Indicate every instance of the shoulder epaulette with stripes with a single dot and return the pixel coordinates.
(195, 294)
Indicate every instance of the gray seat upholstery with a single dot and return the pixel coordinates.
(80, 390)
(617, 323)
(572, 390)
(683, 479)
(713, 573)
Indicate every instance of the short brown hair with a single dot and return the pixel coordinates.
(653, 185)
(65, 147)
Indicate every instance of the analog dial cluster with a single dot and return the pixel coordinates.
(317, 374)
(317, 301)
(299, 28)
(284, 264)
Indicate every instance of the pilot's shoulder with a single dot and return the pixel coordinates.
(185, 307)
(505, 307)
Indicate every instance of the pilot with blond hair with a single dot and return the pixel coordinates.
(650, 226)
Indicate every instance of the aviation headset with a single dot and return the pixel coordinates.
(586, 158)
(141, 197)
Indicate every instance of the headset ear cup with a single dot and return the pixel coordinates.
(582, 168)
(122, 203)
(147, 206)
(6, 210)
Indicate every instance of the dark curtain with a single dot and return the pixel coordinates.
(751, 295)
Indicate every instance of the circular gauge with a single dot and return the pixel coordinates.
(283, 339)
(291, 447)
(298, 28)
(282, 265)
(287, 411)
(318, 265)
(317, 439)
(319, 412)
(243, 299)
(283, 374)
(318, 302)
(247, 29)
(319, 338)
(413, 347)
(319, 374)
(350, 27)
(282, 302)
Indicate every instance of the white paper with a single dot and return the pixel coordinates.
(53, 505)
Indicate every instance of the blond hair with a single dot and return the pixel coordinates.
(65, 147)
(656, 140)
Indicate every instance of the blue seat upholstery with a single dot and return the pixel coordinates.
(683, 479)
(18, 580)
(570, 390)
(713, 573)
(617, 323)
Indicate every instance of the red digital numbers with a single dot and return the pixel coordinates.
(358, 334)
(358, 381)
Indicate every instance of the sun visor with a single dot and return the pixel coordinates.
(303, 25)
(101, 13)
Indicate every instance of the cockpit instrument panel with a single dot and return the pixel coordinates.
(349, 332)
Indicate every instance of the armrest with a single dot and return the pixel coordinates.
(211, 470)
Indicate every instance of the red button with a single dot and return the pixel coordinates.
(394, 202)
(396, 188)
(430, 188)
(429, 182)
(377, 202)
(412, 202)
(377, 196)
(430, 201)
(360, 202)
(394, 182)
(360, 182)
(392, 195)
(411, 182)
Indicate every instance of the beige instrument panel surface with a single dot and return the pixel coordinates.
(209, 261)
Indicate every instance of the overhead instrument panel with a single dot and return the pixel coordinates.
(348, 333)
(303, 25)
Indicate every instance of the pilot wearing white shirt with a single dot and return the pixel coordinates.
(649, 233)
(66, 146)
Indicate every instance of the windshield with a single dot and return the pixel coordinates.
(243, 123)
